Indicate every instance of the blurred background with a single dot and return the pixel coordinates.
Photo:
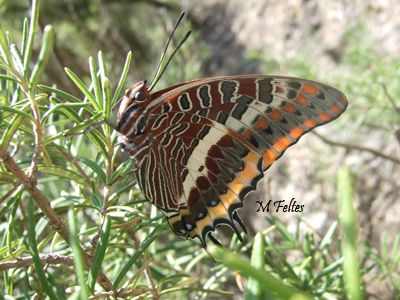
(351, 45)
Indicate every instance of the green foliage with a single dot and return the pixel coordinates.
(77, 254)
(264, 281)
(44, 281)
(348, 220)
(254, 287)
(388, 259)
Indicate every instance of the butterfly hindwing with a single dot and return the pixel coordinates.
(207, 142)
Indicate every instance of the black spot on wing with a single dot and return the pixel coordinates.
(228, 89)
(204, 94)
(264, 90)
(184, 102)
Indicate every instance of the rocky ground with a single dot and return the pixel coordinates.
(282, 29)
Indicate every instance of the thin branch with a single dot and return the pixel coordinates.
(44, 204)
(95, 239)
(389, 97)
(132, 293)
(102, 295)
(359, 148)
(38, 134)
(129, 223)
(139, 272)
(37, 195)
(50, 259)
(149, 277)
(119, 294)
(10, 192)
(107, 191)
(74, 162)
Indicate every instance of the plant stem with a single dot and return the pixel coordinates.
(44, 204)
(51, 259)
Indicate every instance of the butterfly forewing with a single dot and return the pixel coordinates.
(206, 143)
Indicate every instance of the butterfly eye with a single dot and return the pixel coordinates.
(140, 96)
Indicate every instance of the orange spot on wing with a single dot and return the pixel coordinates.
(310, 123)
(170, 99)
(301, 100)
(335, 109)
(296, 132)
(310, 88)
(269, 157)
(261, 123)
(275, 115)
(249, 173)
(325, 117)
(201, 224)
(251, 158)
(289, 108)
(282, 143)
(229, 198)
(218, 211)
(237, 185)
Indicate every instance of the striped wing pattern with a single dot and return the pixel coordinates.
(205, 144)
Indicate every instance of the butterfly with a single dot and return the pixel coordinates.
(201, 146)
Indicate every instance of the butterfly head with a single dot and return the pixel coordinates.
(131, 106)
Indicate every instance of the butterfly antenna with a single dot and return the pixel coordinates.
(159, 72)
(170, 58)
(166, 47)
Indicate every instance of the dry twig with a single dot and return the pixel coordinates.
(359, 148)
(50, 259)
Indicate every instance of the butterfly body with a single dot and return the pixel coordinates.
(202, 146)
